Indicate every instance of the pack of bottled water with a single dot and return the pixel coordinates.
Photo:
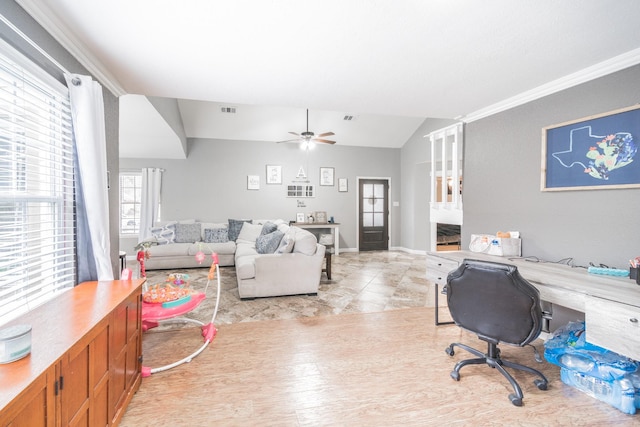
(602, 374)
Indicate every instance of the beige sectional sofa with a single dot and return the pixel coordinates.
(271, 258)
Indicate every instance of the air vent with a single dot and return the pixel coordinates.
(229, 110)
(349, 118)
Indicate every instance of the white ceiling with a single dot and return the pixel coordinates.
(391, 63)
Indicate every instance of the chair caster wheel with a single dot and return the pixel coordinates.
(449, 351)
(541, 384)
(517, 401)
(455, 375)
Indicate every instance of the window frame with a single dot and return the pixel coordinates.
(136, 202)
(37, 191)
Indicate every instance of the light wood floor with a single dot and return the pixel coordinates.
(371, 369)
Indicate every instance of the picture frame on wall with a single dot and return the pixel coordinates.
(326, 176)
(300, 217)
(253, 182)
(274, 174)
(592, 153)
(343, 184)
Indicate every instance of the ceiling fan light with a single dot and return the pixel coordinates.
(304, 145)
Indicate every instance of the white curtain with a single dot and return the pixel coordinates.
(87, 112)
(149, 200)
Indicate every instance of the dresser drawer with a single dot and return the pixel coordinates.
(438, 269)
(614, 326)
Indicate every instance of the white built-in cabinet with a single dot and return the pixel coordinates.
(445, 204)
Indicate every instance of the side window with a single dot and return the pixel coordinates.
(130, 198)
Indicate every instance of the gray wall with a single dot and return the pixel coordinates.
(34, 31)
(211, 184)
(502, 180)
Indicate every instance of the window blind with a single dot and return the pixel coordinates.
(37, 226)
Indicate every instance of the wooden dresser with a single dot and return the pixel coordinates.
(85, 361)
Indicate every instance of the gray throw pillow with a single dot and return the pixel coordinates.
(216, 235)
(187, 233)
(268, 243)
(269, 227)
(235, 225)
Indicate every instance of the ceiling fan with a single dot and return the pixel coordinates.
(307, 137)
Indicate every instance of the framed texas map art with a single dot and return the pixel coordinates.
(595, 152)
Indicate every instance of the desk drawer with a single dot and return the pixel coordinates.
(614, 326)
(438, 269)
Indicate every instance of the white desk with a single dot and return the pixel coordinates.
(334, 228)
(611, 304)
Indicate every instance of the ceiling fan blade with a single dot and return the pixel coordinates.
(289, 140)
(324, 141)
(293, 133)
(322, 135)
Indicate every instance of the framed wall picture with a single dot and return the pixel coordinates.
(343, 184)
(300, 217)
(253, 182)
(274, 174)
(595, 152)
(326, 176)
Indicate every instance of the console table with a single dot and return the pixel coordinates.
(85, 360)
(332, 227)
(611, 304)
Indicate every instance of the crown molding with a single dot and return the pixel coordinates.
(604, 68)
(49, 21)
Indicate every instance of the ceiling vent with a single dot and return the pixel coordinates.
(349, 118)
(229, 110)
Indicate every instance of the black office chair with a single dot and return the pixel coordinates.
(496, 303)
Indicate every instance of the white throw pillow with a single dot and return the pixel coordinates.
(250, 232)
(286, 244)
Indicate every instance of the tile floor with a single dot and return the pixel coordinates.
(362, 282)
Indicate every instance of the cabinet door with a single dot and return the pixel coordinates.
(84, 376)
(36, 407)
(74, 387)
(126, 347)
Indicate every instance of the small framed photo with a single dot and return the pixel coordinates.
(342, 184)
(326, 176)
(321, 217)
(274, 174)
(253, 182)
(300, 217)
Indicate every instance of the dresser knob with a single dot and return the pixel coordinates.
(633, 320)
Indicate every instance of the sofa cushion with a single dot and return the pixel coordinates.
(268, 243)
(249, 232)
(216, 235)
(235, 225)
(187, 233)
(305, 242)
(227, 248)
(244, 249)
(286, 244)
(268, 227)
(174, 249)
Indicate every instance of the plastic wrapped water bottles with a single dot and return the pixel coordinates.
(600, 373)
(618, 393)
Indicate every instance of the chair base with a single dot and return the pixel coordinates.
(492, 358)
